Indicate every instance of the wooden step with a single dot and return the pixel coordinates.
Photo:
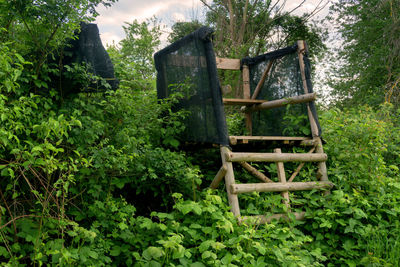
(279, 187)
(275, 157)
(233, 140)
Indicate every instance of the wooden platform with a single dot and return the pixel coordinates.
(245, 160)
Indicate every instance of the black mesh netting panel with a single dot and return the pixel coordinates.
(283, 80)
(188, 66)
(87, 49)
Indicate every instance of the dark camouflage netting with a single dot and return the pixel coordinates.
(86, 50)
(188, 66)
(283, 80)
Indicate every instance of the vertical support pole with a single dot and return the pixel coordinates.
(322, 172)
(230, 180)
(282, 178)
(246, 95)
(300, 50)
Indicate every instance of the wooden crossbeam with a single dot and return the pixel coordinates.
(255, 172)
(275, 157)
(298, 169)
(310, 142)
(262, 80)
(241, 102)
(278, 187)
(227, 63)
(219, 176)
(283, 102)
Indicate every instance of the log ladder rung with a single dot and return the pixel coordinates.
(275, 157)
(279, 187)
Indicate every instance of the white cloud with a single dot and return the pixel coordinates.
(178, 16)
(112, 19)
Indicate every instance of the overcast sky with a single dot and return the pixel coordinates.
(112, 19)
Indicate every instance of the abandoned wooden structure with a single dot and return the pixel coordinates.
(250, 104)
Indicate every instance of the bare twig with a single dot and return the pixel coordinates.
(11, 215)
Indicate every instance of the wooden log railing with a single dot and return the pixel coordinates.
(279, 187)
(275, 157)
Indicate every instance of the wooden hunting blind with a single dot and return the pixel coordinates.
(270, 83)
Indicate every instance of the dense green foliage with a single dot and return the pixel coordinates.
(180, 29)
(98, 179)
(369, 66)
(39, 30)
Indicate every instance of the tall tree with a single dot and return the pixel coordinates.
(370, 55)
(252, 27)
(183, 28)
(133, 58)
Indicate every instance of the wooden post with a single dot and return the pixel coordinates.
(282, 178)
(246, 95)
(300, 50)
(229, 181)
(321, 165)
(218, 177)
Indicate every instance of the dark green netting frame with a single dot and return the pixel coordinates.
(283, 80)
(188, 66)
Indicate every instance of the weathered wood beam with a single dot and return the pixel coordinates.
(229, 181)
(218, 177)
(262, 80)
(246, 95)
(228, 63)
(282, 102)
(261, 176)
(278, 187)
(321, 166)
(234, 139)
(275, 157)
(282, 178)
(310, 142)
(241, 102)
(298, 169)
(301, 49)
